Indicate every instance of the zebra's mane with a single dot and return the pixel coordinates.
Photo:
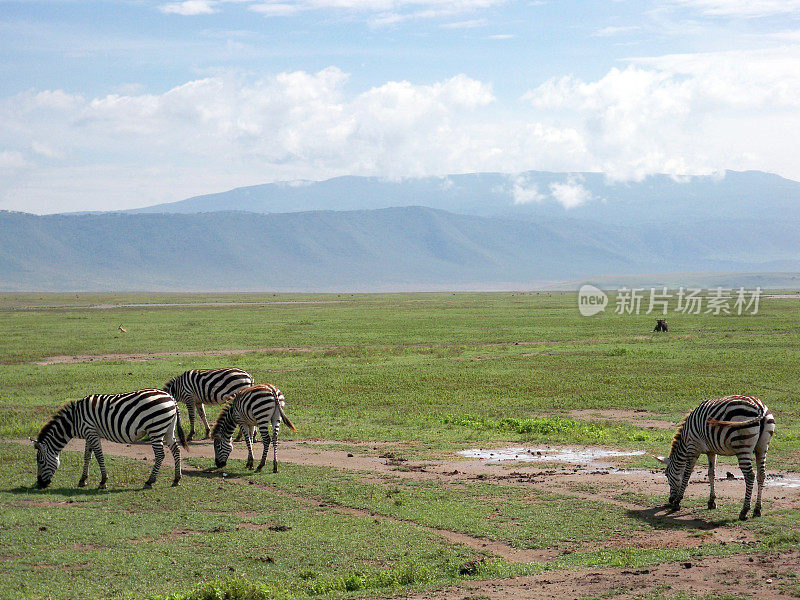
(678, 434)
(67, 407)
(223, 414)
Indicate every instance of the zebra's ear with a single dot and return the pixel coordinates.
(35, 443)
(661, 459)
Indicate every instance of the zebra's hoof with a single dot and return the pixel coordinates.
(176, 482)
(274, 469)
(258, 469)
(757, 511)
(148, 485)
(712, 505)
(102, 486)
(82, 483)
(743, 515)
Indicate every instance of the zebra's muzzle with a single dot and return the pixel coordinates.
(41, 483)
(221, 463)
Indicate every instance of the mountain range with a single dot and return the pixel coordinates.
(459, 232)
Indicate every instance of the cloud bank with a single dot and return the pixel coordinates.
(681, 115)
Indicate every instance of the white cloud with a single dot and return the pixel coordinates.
(12, 160)
(570, 194)
(684, 114)
(471, 24)
(613, 31)
(524, 191)
(190, 7)
(742, 8)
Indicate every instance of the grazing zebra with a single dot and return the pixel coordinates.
(209, 386)
(257, 405)
(123, 418)
(733, 425)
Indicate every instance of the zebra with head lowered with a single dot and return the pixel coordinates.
(206, 386)
(123, 418)
(251, 407)
(728, 426)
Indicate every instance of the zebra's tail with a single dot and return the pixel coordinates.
(748, 422)
(286, 420)
(181, 434)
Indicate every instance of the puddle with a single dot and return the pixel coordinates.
(790, 481)
(577, 456)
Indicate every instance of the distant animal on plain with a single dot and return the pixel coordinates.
(256, 406)
(123, 418)
(122, 329)
(206, 386)
(740, 426)
(661, 325)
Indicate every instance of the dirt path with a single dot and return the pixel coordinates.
(766, 576)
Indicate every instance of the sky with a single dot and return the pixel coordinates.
(113, 105)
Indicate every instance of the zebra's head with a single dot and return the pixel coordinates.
(223, 446)
(47, 461)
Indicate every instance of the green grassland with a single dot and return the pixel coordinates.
(428, 373)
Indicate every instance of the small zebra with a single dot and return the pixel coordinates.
(209, 386)
(123, 418)
(728, 426)
(257, 405)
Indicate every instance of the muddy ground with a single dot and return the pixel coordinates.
(754, 575)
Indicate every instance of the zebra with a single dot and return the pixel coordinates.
(210, 386)
(257, 405)
(732, 425)
(123, 418)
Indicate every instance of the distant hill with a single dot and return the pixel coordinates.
(737, 195)
(407, 248)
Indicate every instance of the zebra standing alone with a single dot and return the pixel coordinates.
(258, 405)
(123, 418)
(728, 426)
(209, 386)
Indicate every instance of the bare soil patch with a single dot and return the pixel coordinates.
(754, 575)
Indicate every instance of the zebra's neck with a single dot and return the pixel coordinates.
(60, 430)
(226, 423)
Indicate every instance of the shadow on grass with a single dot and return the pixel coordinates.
(69, 491)
(660, 517)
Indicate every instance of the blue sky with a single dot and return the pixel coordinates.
(108, 105)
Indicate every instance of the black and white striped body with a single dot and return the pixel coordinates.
(255, 406)
(740, 426)
(123, 418)
(206, 386)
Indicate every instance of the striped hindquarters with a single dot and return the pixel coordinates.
(210, 386)
(731, 425)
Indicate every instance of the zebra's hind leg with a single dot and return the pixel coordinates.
(761, 463)
(175, 448)
(746, 465)
(712, 459)
(201, 409)
(275, 427)
(87, 457)
(158, 450)
(265, 440)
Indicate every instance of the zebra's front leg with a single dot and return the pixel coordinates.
(202, 411)
(175, 448)
(712, 459)
(190, 410)
(158, 450)
(746, 465)
(761, 464)
(265, 440)
(98, 454)
(247, 432)
(87, 456)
